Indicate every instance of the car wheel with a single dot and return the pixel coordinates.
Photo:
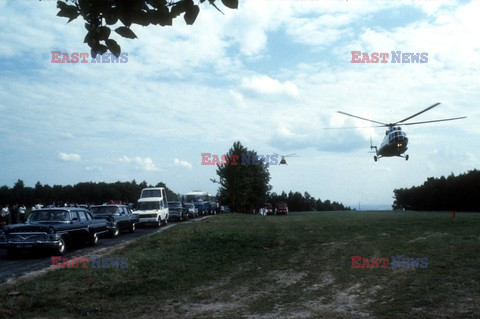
(166, 220)
(94, 239)
(116, 232)
(62, 247)
(132, 228)
(159, 222)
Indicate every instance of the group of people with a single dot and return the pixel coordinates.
(13, 215)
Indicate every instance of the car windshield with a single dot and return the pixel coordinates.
(174, 205)
(151, 193)
(148, 205)
(49, 216)
(105, 210)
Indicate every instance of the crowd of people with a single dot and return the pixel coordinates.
(14, 214)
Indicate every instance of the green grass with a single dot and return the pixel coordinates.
(234, 266)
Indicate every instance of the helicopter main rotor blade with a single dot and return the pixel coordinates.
(433, 121)
(351, 127)
(289, 155)
(362, 118)
(416, 114)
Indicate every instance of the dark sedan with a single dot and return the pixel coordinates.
(176, 211)
(55, 229)
(120, 218)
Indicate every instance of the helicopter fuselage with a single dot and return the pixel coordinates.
(394, 143)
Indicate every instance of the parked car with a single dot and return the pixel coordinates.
(192, 210)
(177, 211)
(202, 207)
(225, 209)
(212, 208)
(121, 218)
(282, 209)
(56, 229)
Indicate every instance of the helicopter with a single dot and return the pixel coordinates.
(283, 161)
(395, 141)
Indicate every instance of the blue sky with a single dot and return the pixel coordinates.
(271, 74)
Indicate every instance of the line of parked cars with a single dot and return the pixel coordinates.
(61, 228)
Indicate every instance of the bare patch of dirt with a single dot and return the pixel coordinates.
(288, 294)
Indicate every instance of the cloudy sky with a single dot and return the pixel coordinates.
(271, 74)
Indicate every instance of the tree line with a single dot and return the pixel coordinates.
(246, 187)
(452, 193)
(299, 203)
(80, 193)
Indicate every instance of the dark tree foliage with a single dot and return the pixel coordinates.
(454, 193)
(298, 203)
(244, 187)
(81, 193)
(99, 15)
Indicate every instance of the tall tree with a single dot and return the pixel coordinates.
(244, 179)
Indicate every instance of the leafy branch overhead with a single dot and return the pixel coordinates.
(99, 15)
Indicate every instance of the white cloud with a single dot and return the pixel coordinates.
(94, 168)
(69, 157)
(264, 84)
(143, 163)
(181, 163)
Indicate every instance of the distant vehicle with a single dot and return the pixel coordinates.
(55, 229)
(121, 218)
(201, 200)
(282, 209)
(176, 211)
(225, 209)
(283, 161)
(192, 211)
(152, 206)
(202, 207)
(212, 207)
(269, 209)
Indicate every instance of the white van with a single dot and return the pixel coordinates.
(153, 206)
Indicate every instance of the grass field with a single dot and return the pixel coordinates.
(297, 266)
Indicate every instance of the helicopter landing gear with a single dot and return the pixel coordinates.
(375, 158)
(406, 157)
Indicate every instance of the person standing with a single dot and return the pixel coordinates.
(21, 213)
(4, 215)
